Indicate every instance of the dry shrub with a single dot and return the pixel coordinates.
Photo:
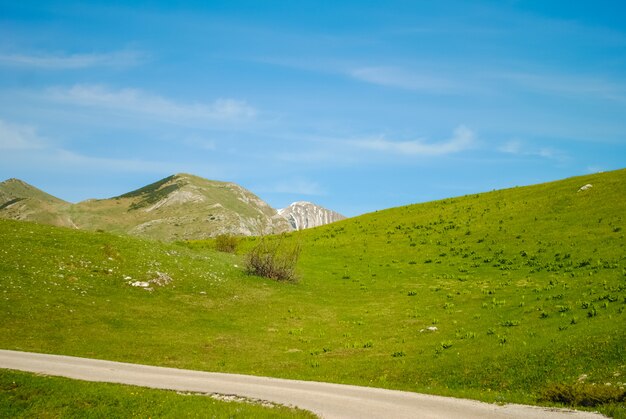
(274, 259)
(583, 394)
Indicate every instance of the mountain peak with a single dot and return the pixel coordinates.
(21, 201)
(182, 206)
(14, 180)
(304, 214)
(14, 188)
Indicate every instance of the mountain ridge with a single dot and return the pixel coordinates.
(178, 207)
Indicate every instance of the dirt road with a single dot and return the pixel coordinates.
(324, 399)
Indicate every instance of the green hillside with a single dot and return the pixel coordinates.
(501, 296)
(21, 201)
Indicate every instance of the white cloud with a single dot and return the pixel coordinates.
(395, 77)
(518, 148)
(73, 61)
(511, 147)
(19, 137)
(142, 103)
(21, 146)
(569, 85)
(59, 160)
(462, 139)
(66, 158)
(594, 169)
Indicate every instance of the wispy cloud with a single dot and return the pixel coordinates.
(78, 161)
(23, 148)
(462, 139)
(518, 148)
(400, 78)
(19, 137)
(569, 85)
(594, 169)
(74, 61)
(143, 103)
(511, 147)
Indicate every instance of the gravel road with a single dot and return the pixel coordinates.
(324, 399)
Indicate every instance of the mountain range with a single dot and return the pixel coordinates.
(178, 207)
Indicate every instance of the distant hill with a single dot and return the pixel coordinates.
(21, 201)
(179, 207)
(304, 214)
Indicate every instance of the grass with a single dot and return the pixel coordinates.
(497, 296)
(25, 395)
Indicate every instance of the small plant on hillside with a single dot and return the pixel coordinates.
(274, 259)
(446, 344)
(226, 243)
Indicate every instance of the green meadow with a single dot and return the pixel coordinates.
(505, 296)
(30, 396)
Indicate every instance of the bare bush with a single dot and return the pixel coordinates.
(274, 259)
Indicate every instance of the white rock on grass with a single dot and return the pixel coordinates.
(585, 187)
(429, 328)
(161, 279)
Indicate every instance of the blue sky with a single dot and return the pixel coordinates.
(355, 105)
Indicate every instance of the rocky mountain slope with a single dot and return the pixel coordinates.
(179, 207)
(304, 214)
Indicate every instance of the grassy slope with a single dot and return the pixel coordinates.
(20, 200)
(526, 287)
(27, 395)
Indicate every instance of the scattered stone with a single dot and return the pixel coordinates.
(585, 187)
(582, 377)
(161, 279)
(432, 328)
(249, 400)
